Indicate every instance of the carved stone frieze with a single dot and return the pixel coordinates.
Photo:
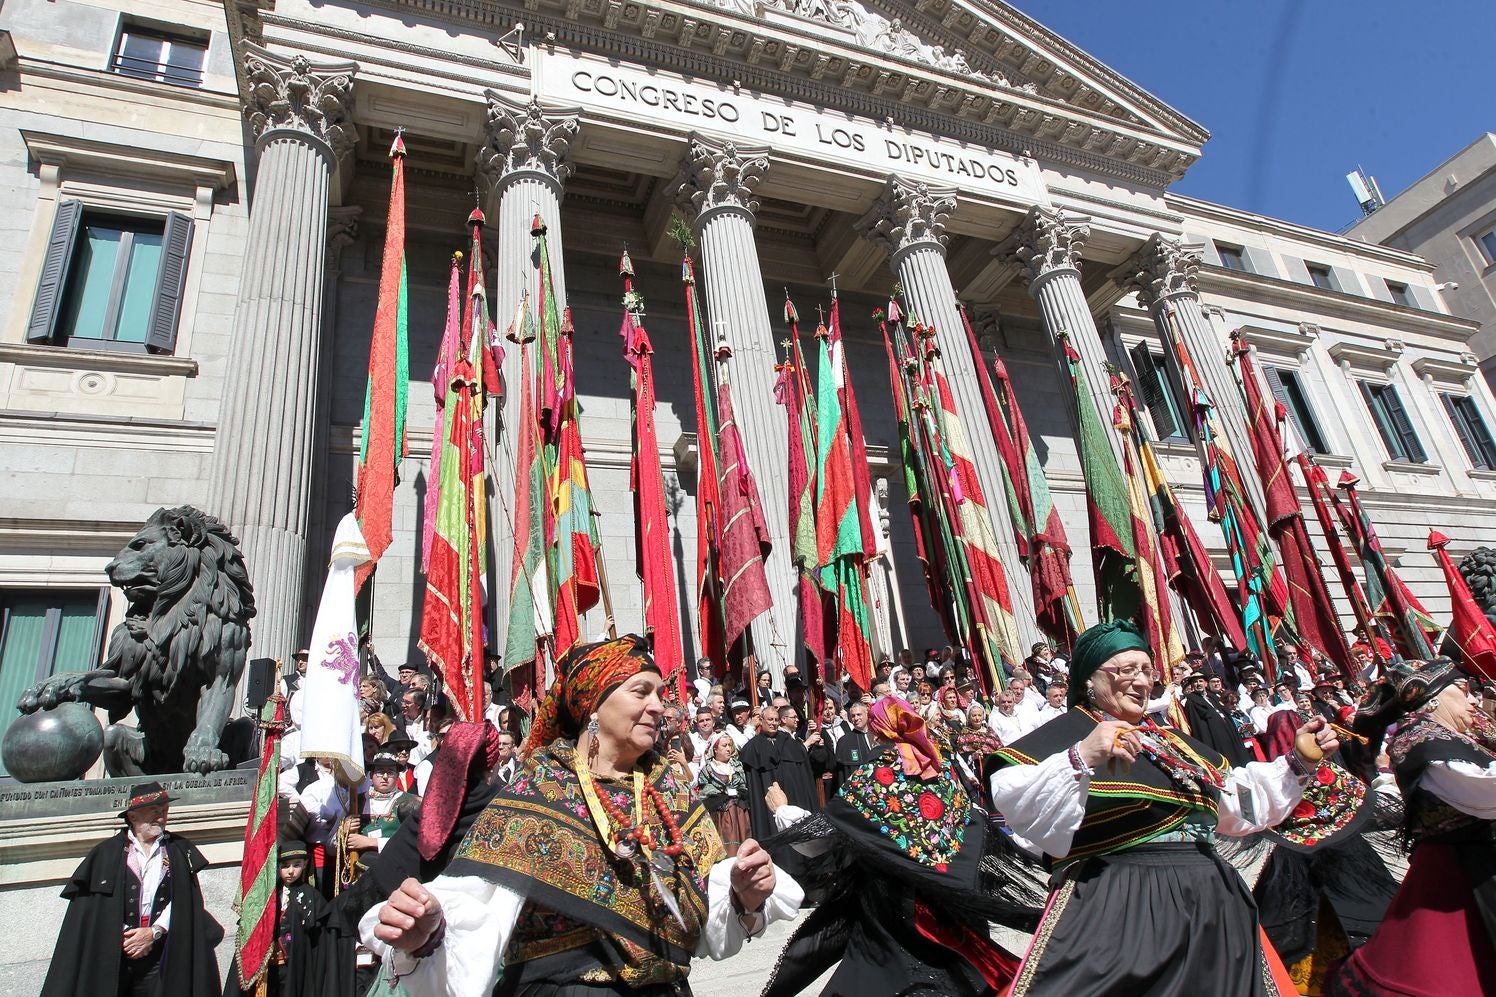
(1046, 240)
(720, 175)
(291, 92)
(526, 137)
(907, 213)
(342, 230)
(1162, 268)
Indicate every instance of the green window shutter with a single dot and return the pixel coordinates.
(1378, 410)
(55, 267)
(171, 278)
(1403, 424)
(1151, 387)
(1461, 429)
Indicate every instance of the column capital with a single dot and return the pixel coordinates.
(908, 213)
(1163, 268)
(1045, 241)
(526, 138)
(720, 175)
(290, 92)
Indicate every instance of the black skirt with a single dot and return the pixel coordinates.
(540, 988)
(1167, 920)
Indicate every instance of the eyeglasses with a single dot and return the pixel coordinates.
(1128, 672)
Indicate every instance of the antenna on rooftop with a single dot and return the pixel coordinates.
(1364, 186)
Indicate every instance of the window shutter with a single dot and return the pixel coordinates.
(1288, 388)
(1461, 429)
(101, 618)
(1412, 447)
(1152, 389)
(166, 308)
(1479, 432)
(54, 272)
(1275, 385)
(1377, 407)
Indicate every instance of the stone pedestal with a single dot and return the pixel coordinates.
(266, 443)
(716, 193)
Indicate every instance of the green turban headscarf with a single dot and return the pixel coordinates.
(1095, 646)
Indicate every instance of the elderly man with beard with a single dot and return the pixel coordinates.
(135, 923)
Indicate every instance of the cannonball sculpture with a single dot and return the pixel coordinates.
(53, 745)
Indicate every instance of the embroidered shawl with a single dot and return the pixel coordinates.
(537, 838)
(1413, 750)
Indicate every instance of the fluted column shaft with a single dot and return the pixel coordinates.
(266, 442)
(1163, 274)
(524, 165)
(717, 190)
(1047, 246)
(909, 221)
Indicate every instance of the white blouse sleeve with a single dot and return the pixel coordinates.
(1467, 787)
(1258, 795)
(1043, 804)
(479, 916)
(724, 931)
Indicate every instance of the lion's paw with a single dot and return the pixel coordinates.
(201, 757)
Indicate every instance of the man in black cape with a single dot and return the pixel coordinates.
(135, 922)
(1210, 724)
(771, 756)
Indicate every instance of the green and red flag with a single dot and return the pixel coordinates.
(529, 587)
(711, 627)
(1037, 526)
(1471, 632)
(992, 602)
(791, 390)
(1154, 616)
(1113, 554)
(382, 442)
(1386, 592)
(1313, 614)
(653, 561)
(441, 376)
(452, 612)
(571, 535)
(745, 534)
(259, 871)
(840, 553)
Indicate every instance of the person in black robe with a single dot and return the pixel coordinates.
(776, 756)
(1210, 724)
(300, 960)
(169, 950)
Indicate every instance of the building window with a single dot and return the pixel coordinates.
(155, 54)
(1393, 423)
(1288, 389)
(45, 632)
(1232, 257)
(1400, 293)
(110, 282)
(1160, 394)
(1319, 276)
(1487, 243)
(1472, 431)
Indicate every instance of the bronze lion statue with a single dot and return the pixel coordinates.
(177, 657)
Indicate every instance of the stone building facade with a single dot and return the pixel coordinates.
(196, 195)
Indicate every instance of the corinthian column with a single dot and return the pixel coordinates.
(263, 455)
(908, 220)
(523, 162)
(1163, 273)
(716, 191)
(1047, 246)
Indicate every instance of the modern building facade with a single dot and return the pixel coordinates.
(196, 195)
(1449, 218)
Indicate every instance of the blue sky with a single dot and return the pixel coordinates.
(1296, 94)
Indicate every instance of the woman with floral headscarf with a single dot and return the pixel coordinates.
(723, 787)
(899, 853)
(594, 872)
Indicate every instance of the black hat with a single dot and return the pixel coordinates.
(292, 848)
(408, 666)
(386, 760)
(1198, 675)
(738, 704)
(145, 794)
(303, 653)
(395, 744)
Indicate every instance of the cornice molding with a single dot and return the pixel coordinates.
(1281, 342)
(1452, 372)
(1367, 356)
(806, 64)
(69, 151)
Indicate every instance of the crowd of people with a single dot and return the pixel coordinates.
(593, 844)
